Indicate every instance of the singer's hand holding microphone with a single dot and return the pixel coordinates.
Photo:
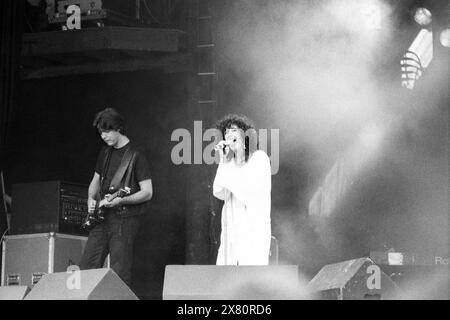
(224, 143)
(223, 147)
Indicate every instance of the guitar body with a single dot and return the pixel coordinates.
(98, 216)
(93, 218)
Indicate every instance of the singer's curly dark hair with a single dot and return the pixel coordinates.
(244, 123)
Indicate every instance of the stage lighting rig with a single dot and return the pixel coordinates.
(445, 38)
(423, 16)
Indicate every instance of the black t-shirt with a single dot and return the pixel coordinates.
(140, 169)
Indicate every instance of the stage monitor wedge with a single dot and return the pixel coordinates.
(94, 284)
(209, 282)
(13, 292)
(357, 279)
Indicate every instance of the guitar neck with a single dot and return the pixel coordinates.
(118, 193)
(114, 195)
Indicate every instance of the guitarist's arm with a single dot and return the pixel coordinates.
(142, 195)
(94, 188)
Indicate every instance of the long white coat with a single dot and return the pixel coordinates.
(246, 229)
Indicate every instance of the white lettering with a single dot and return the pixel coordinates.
(194, 310)
(374, 280)
(184, 146)
(74, 280)
(74, 17)
(441, 260)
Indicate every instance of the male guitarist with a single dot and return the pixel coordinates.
(119, 167)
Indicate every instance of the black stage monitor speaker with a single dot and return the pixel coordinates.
(356, 279)
(207, 282)
(13, 292)
(95, 284)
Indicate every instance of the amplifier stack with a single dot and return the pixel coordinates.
(50, 206)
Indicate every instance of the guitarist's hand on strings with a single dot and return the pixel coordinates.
(113, 203)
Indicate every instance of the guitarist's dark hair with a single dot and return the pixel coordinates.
(109, 119)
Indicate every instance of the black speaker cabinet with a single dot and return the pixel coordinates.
(95, 284)
(357, 279)
(49, 206)
(208, 282)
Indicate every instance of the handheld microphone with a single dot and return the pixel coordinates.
(224, 144)
(228, 142)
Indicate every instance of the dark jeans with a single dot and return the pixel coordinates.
(115, 236)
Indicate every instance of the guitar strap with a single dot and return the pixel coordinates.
(130, 169)
(125, 163)
(108, 152)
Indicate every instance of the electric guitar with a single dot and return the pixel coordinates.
(98, 215)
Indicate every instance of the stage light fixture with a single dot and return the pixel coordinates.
(445, 38)
(417, 58)
(423, 16)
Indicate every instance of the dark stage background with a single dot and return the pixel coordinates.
(53, 139)
(400, 200)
